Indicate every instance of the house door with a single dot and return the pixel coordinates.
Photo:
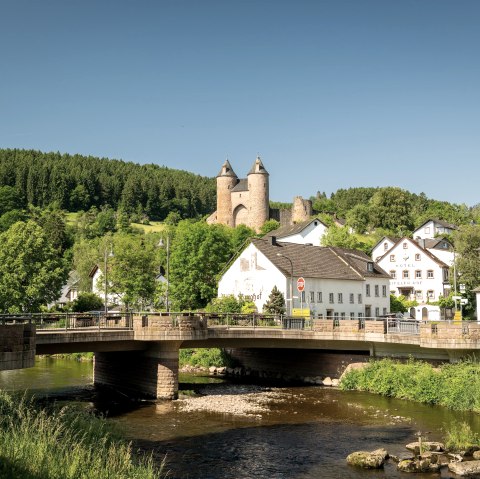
(329, 313)
(424, 314)
(368, 311)
(412, 312)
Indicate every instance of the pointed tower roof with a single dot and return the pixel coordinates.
(227, 170)
(258, 168)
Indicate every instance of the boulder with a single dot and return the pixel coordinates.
(212, 369)
(327, 381)
(368, 459)
(426, 446)
(467, 468)
(418, 465)
(222, 370)
(476, 455)
(335, 382)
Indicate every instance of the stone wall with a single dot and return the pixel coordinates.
(17, 346)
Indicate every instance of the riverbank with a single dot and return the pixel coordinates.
(49, 443)
(455, 386)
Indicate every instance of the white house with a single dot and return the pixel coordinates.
(339, 283)
(477, 295)
(69, 290)
(306, 232)
(419, 274)
(385, 244)
(432, 228)
(98, 287)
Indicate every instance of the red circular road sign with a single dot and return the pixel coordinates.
(301, 284)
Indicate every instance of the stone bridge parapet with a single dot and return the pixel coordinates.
(17, 346)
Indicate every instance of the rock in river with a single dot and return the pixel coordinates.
(467, 468)
(368, 460)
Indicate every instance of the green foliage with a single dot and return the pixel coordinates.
(205, 357)
(460, 437)
(275, 303)
(340, 237)
(268, 226)
(87, 302)
(31, 271)
(36, 443)
(231, 304)
(199, 252)
(9, 199)
(278, 205)
(456, 386)
(400, 304)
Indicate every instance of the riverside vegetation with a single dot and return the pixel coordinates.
(40, 443)
(456, 386)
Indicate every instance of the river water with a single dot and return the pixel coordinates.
(306, 435)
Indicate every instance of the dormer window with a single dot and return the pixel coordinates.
(370, 267)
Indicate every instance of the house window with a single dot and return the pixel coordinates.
(335, 316)
(312, 296)
(377, 312)
(342, 315)
(352, 315)
(418, 257)
(405, 245)
(405, 274)
(418, 274)
(445, 245)
(367, 290)
(359, 298)
(427, 230)
(340, 298)
(393, 274)
(369, 266)
(330, 298)
(385, 246)
(430, 274)
(352, 298)
(360, 315)
(384, 291)
(445, 274)
(320, 297)
(377, 291)
(419, 294)
(392, 258)
(430, 294)
(384, 311)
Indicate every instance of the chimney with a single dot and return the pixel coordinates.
(273, 240)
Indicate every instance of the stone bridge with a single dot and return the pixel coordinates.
(139, 354)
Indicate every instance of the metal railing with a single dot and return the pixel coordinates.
(402, 326)
(71, 321)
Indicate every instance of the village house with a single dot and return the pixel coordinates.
(419, 270)
(305, 232)
(339, 283)
(433, 228)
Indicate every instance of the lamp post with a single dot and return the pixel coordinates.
(162, 244)
(106, 255)
(291, 281)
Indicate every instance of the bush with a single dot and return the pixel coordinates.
(205, 357)
(460, 437)
(87, 302)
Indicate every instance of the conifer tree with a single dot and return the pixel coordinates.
(275, 303)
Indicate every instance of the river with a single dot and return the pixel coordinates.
(306, 434)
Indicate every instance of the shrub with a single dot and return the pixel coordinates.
(460, 437)
(205, 357)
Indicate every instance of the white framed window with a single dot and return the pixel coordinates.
(312, 296)
(331, 298)
(418, 274)
(340, 298)
(430, 294)
(319, 297)
(377, 312)
(352, 315)
(405, 274)
(430, 274)
(360, 315)
(367, 290)
(385, 246)
(418, 257)
(393, 274)
(342, 315)
(335, 316)
(392, 258)
(384, 311)
(405, 245)
(377, 291)
(352, 298)
(359, 298)
(369, 266)
(419, 294)
(427, 230)
(384, 291)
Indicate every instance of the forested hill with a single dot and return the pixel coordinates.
(76, 182)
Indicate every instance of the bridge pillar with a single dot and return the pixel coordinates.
(150, 373)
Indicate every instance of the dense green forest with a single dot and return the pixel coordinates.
(76, 182)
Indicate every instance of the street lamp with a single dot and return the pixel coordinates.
(161, 244)
(106, 255)
(291, 281)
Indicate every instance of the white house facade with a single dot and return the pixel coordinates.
(417, 274)
(386, 243)
(339, 283)
(432, 228)
(306, 232)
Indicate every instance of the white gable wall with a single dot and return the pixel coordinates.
(382, 248)
(312, 233)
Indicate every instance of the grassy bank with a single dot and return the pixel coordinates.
(205, 357)
(456, 386)
(40, 444)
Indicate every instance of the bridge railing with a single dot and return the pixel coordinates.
(402, 326)
(71, 321)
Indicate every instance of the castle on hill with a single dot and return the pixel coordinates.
(245, 201)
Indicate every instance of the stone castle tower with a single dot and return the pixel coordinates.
(246, 201)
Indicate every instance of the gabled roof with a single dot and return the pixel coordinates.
(289, 230)
(423, 250)
(242, 185)
(438, 222)
(393, 239)
(318, 262)
(431, 243)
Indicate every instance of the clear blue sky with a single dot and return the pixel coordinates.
(331, 94)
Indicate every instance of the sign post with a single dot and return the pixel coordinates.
(301, 289)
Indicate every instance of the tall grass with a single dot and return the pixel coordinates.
(63, 444)
(456, 386)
